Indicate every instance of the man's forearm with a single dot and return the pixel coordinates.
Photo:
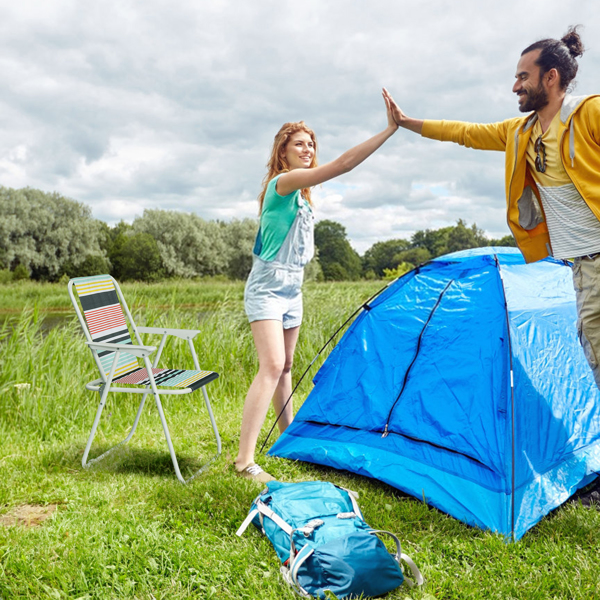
(411, 124)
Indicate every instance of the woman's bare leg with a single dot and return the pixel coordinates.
(284, 386)
(270, 345)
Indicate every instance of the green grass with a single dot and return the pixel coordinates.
(172, 294)
(127, 529)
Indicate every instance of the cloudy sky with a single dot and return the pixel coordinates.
(127, 105)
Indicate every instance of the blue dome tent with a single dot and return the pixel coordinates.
(463, 383)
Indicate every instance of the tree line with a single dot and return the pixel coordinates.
(46, 237)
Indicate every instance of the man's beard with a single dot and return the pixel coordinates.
(535, 99)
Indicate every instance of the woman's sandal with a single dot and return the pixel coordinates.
(255, 473)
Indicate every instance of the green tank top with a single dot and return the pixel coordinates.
(276, 219)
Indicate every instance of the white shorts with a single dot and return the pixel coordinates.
(274, 291)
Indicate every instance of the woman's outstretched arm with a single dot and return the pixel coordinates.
(304, 178)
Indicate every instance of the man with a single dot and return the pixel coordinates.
(552, 170)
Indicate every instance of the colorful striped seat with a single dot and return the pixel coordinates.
(106, 323)
(169, 377)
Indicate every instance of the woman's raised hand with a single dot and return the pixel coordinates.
(395, 115)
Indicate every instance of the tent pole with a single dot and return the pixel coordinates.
(512, 403)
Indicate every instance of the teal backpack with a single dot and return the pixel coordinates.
(320, 536)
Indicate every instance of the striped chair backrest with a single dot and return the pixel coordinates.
(105, 320)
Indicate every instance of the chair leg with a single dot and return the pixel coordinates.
(210, 414)
(217, 436)
(163, 420)
(168, 438)
(168, 435)
(103, 395)
(172, 450)
(212, 419)
(88, 464)
(137, 418)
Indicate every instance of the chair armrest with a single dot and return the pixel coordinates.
(129, 348)
(184, 334)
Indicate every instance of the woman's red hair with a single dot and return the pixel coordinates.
(278, 164)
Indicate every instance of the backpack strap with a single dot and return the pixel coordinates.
(307, 531)
(246, 522)
(353, 498)
(263, 510)
(419, 580)
(398, 554)
(290, 574)
(401, 556)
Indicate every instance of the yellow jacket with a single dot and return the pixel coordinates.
(580, 152)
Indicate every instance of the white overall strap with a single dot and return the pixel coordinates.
(267, 512)
(246, 522)
(419, 580)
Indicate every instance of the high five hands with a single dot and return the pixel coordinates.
(394, 111)
(390, 106)
(399, 117)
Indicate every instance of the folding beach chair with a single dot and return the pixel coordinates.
(104, 321)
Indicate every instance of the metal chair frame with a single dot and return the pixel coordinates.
(103, 385)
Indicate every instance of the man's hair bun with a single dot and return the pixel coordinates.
(573, 42)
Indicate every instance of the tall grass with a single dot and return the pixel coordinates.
(127, 529)
(170, 294)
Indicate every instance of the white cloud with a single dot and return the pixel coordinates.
(130, 105)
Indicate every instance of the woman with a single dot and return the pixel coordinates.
(284, 245)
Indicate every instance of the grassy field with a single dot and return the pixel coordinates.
(127, 529)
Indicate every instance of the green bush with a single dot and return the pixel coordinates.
(138, 258)
(391, 274)
(91, 265)
(20, 273)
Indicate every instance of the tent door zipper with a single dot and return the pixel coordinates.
(417, 349)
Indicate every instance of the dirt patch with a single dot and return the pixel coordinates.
(28, 515)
